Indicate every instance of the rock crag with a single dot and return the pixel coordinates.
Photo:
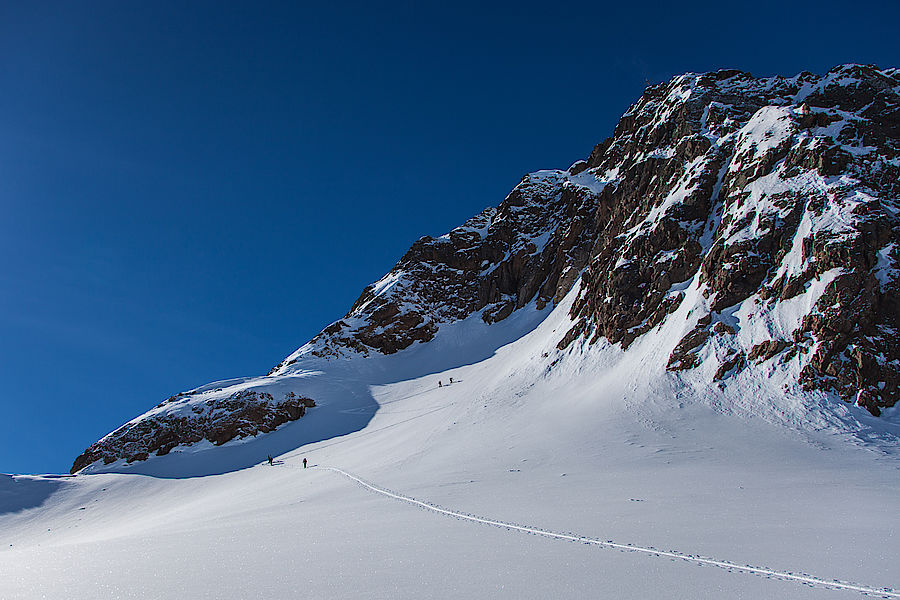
(188, 418)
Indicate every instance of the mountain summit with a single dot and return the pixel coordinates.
(746, 228)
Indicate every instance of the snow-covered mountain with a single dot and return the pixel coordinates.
(736, 238)
(672, 353)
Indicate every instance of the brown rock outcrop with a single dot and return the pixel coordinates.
(241, 414)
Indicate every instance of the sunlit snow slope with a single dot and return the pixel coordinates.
(604, 444)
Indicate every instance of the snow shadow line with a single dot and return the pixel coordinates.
(802, 578)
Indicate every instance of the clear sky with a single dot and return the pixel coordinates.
(191, 190)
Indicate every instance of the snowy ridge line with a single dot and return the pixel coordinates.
(806, 579)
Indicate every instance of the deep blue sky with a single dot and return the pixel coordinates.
(189, 193)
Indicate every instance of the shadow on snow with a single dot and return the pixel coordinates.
(22, 492)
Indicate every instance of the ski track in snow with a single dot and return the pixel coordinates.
(802, 578)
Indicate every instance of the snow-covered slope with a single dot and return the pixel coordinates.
(591, 441)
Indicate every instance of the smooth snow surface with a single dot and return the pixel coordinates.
(586, 474)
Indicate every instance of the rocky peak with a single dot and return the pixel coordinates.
(755, 187)
(768, 205)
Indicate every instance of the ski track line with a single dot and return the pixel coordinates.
(806, 579)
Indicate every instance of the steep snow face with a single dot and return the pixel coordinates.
(757, 219)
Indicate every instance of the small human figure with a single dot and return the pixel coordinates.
(451, 380)
(271, 462)
(439, 383)
(304, 463)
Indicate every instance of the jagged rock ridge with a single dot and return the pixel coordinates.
(531, 247)
(778, 196)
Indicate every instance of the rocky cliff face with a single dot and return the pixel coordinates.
(760, 188)
(778, 197)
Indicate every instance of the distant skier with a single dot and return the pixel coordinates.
(304, 463)
(451, 380)
(439, 383)
(271, 462)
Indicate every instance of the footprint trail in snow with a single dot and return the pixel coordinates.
(788, 576)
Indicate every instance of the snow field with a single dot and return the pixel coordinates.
(594, 440)
(809, 579)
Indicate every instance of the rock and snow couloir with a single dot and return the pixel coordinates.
(746, 226)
